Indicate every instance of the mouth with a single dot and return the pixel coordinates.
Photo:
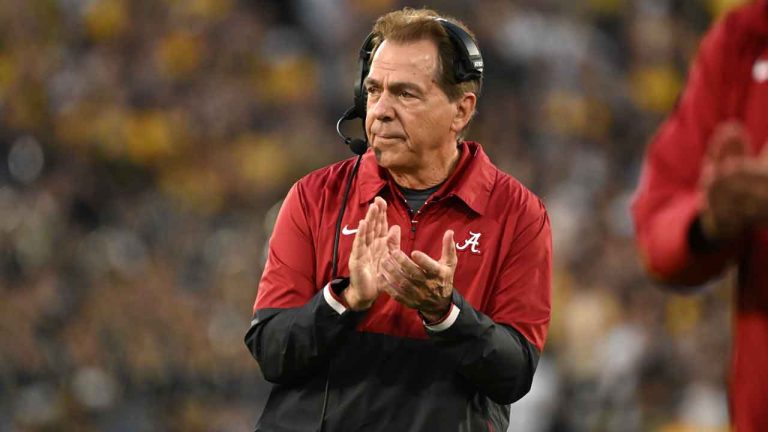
(388, 137)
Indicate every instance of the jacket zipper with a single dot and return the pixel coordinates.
(414, 217)
(414, 222)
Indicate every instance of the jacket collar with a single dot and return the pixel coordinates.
(757, 18)
(471, 181)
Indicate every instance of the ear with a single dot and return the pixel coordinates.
(465, 109)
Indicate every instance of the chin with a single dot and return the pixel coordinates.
(394, 163)
(386, 159)
(392, 154)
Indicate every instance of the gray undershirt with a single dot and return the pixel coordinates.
(417, 197)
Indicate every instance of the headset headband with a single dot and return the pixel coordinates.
(468, 66)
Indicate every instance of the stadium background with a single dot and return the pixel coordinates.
(145, 146)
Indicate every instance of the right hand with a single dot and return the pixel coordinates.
(419, 281)
(368, 249)
(735, 183)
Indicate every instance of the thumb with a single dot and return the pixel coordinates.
(448, 257)
(430, 266)
(393, 238)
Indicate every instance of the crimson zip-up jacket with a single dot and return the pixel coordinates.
(384, 369)
(729, 80)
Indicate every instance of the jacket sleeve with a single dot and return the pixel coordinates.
(668, 199)
(293, 344)
(498, 351)
(296, 324)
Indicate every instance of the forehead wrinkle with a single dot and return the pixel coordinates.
(422, 64)
(386, 59)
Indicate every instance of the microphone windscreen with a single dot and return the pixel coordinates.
(358, 146)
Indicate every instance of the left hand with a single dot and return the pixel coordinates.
(420, 282)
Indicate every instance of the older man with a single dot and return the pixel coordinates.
(440, 320)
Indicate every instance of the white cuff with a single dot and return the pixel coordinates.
(447, 322)
(332, 302)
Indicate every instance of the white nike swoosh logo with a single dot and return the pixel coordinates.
(347, 231)
(760, 71)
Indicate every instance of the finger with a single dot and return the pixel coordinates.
(370, 220)
(400, 291)
(426, 263)
(408, 286)
(369, 212)
(388, 264)
(381, 226)
(384, 223)
(384, 285)
(358, 244)
(379, 202)
(407, 268)
(393, 280)
(375, 224)
(393, 238)
(393, 270)
(377, 221)
(449, 257)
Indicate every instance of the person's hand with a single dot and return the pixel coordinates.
(420, 282)
(735, 183)
(738, 198)
(368, 248)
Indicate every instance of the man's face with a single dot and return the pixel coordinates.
(408, 116)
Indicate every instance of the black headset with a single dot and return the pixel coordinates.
(468, 66)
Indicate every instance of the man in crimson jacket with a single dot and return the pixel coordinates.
(441, 320)
(702, 202)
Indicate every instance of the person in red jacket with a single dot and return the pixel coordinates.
(442, 311)
(702, 201)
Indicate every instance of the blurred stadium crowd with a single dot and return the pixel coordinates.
(145, 147)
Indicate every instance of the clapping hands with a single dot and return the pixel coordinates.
(377, 264)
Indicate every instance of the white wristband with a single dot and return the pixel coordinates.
(447, 322)
(332, 302)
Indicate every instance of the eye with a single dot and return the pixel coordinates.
(406, 94)
(371, 90)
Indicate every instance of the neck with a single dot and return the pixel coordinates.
(435, 171)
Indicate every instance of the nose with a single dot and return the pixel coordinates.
(381, 108)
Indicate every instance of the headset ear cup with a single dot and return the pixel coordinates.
(469, 65)
(364, 66)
